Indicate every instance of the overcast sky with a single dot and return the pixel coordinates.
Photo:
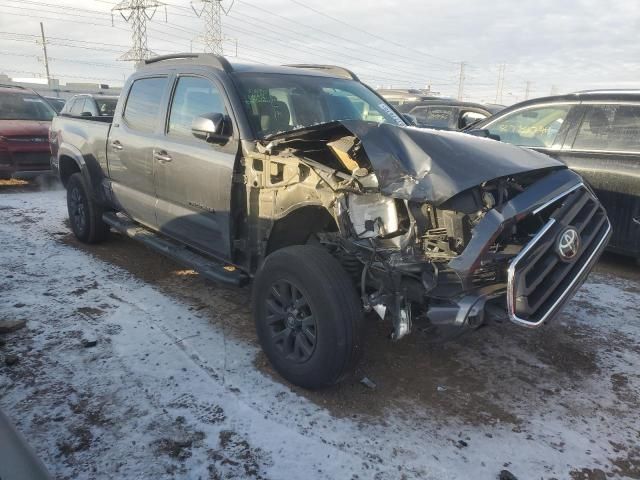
(556, 45)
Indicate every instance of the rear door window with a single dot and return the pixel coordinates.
(193, 97)
(106, 106)
(613, 128)
(78, 106)
(533, 127)
(144, 103)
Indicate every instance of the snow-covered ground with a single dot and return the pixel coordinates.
(177, 388)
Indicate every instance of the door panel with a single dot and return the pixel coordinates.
(598, 153)
(615, 179)
(194, 177)
(132, 139)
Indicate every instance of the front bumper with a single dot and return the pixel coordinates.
(22, 162)
(537, 282)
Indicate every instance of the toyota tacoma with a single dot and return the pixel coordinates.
(304, 181)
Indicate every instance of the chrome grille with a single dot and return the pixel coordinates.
(32, 160)
(539, 279)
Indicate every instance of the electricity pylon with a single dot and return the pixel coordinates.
(211, 12)
(136, 13)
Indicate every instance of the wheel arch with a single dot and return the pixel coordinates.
(298, 225)
(70, 161)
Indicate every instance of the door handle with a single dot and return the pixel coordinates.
(162, 156)
(116, 145)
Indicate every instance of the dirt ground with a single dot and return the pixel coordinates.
(558, 402)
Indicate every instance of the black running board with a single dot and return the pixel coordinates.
(205, 266)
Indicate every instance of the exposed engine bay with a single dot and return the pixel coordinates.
(426, 222)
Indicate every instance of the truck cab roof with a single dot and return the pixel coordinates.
(221, 63)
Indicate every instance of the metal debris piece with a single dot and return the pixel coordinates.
(7, 326)
(11, 360)
(89, 342)
(507, 475)
(367, 382)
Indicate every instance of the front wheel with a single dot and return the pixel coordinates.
(308, 316)
(85, 215)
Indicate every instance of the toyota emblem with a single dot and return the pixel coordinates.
(568, 244)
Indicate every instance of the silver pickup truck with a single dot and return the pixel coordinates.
(304, 181)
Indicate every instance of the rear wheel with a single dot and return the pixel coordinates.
(85, 215)
(308, 316)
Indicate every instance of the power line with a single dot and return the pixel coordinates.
(39, 74)
(314, 51)
(379, 51)
(354, 27)
(267, 34)
(306, 36)
(392, 71)
(65, 60)
(59, 19)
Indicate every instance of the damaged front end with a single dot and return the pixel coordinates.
(436, 225)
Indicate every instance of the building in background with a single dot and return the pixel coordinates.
(56, 89)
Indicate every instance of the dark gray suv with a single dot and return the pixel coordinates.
(597, 134)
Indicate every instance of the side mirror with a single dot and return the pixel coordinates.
(210, 127)
(86, 114)
(483, 132)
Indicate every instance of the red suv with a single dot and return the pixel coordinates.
(24, 133)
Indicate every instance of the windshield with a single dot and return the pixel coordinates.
(18, 106)
(278, 103)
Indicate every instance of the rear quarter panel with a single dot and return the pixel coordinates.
(85, 142)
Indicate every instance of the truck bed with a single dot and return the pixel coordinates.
(84, 137)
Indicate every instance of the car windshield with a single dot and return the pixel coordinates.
(18, 106)
(278, 103)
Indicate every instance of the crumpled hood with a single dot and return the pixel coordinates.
(433, 166)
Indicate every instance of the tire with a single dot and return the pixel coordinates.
(85, 215)
(325, 308)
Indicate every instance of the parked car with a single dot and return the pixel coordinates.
(24, 126)
(56, 103)
(400, 96)
(444, 114)
(305, 181)
(90, 105)
(597, 134)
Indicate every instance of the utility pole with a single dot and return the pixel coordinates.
(500, 89)
(211, 12)
(136, 13)
(461, 82)
(46, 58)
(527, 91)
